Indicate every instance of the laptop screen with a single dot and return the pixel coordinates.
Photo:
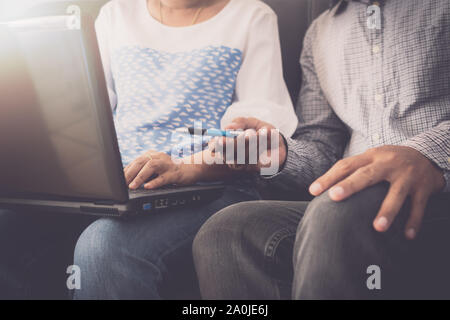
(51, 135)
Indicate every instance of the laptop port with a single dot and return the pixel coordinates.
(161, 203)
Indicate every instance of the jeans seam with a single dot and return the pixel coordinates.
(270, 250)
(158, 264)
(159, 261)
(280, 235)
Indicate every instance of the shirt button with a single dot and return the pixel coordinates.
(376, 138)
(378, 98)
(376, 49)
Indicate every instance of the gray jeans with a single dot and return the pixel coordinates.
(321, 250)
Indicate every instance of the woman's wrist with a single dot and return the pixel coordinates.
(194, 168)
(191, 173)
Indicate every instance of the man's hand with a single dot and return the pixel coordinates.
(156, 169)
(261, 131)
(408, 172)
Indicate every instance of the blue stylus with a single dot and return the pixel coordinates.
(210, 132)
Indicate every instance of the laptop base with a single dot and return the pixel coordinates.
(140, 202)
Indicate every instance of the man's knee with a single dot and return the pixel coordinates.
(221, 229)
(336, 241)
(340, 226)
(230, 251)
(353, 215)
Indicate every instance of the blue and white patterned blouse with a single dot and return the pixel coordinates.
(163, 78)
(163, 91)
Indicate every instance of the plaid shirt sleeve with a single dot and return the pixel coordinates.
(435, 145)
(387, 86)
(320, 138)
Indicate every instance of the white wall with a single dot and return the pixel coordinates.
(13, 8)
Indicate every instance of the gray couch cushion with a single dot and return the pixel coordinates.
(294, 18)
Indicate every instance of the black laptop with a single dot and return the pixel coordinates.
(58, 146)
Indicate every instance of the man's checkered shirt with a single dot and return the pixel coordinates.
(365, 87)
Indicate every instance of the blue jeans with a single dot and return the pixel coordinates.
(147, 257)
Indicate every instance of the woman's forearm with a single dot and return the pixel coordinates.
(203, 166)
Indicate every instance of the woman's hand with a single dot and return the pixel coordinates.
(157, 169)
(266, 158)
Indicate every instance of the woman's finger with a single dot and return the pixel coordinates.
(127, 167)
(151, 168)
(134, 168)
(236, 124)
(158, 182)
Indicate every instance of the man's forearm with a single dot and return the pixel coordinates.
(305, 162)
(435, 145)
